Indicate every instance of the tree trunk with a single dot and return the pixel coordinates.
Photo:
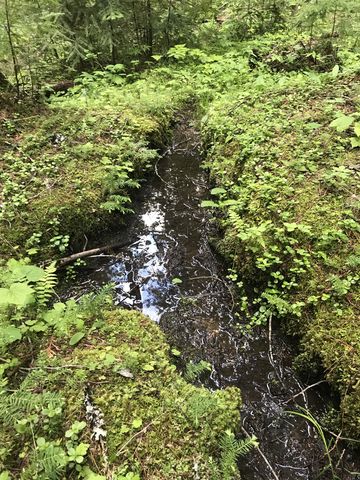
(168, 23)
(149, 29)
(113, 48)
(12, 49)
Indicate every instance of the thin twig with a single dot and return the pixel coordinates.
(134, 436)
(262, 455)
(271, 357)
(86, 242)
(304, 390)
(336, 435)
(214, 277)
(51, 368)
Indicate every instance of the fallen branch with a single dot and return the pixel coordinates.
(89, 253)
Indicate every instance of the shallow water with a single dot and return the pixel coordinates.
(170, 233)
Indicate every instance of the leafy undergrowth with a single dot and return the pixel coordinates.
(66, 171)
(284, 156)
(89, 391)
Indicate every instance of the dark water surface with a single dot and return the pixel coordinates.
(171, 240)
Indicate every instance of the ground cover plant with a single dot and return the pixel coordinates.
(65, 173)
(89, 390)
(285, 160)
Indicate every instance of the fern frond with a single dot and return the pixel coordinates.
(20, 404)
(245, 446)
(51, 461)
(45, 286)
(231, 450)
(194, 370)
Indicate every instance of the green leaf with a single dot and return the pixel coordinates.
(291, 227)
(90, 475)
(228, 203)
(357, 129)
(40, 441)
(82, 449)
(137, 423)
(21, 272)
(175, 352)
(156, 57)
(355, 142)
(209, 203)
(335, 71)
(10, 334)
(342, 123)
(5, 475)
(217, 191)
(76, 338)
(32, 251)
(313, 125)
(176, 281)
(148, 368)
(19, 294)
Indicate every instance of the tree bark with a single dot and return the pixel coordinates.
(150, 33)
(12, 49)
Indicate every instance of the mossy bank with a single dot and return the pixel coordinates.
(284, 156)
(101, 398)
(69, 171)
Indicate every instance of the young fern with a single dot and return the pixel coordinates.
(231, 450)
(45, 286)
(47, 462)
(20, 404)
(194, 370)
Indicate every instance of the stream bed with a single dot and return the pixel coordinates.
(170, 240)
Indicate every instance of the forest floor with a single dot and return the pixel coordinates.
(282, 151)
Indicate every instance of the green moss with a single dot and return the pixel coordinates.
(290, 216)
(56, 176)
(157, 424)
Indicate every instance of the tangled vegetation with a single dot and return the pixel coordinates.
(291, 228)
(89, 390)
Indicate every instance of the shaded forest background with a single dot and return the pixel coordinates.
(47, 41)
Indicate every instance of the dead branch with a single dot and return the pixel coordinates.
(133, 437)
(89, 253)
(304, 390)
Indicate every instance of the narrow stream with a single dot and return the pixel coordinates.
(170, 233)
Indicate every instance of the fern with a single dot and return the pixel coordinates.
(200, 406)
(20, 404)
(194, 370)
(117, 203)
(45, 286)
(231, 450)
(48, 461)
